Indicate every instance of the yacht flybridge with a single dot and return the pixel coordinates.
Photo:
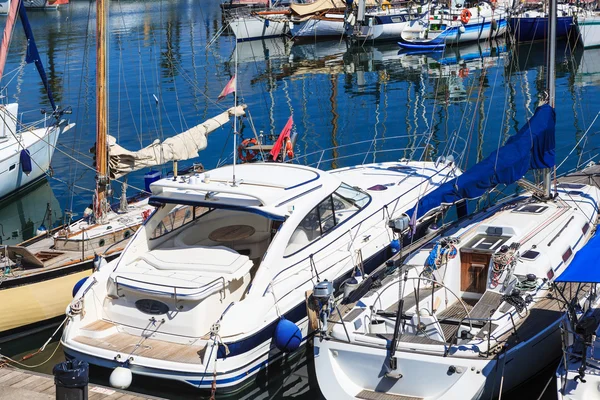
(222, 266)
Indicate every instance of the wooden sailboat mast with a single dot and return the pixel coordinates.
(101, 105)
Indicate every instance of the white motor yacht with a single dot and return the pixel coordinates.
(212, 288)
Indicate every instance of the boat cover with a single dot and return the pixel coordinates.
(531, 148)
(184, 146)
(303, 9)
(584, 267)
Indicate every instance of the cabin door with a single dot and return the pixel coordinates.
(473, 272)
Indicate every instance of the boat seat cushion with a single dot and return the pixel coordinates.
(213, 260)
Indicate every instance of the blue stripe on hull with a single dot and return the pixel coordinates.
(528, 29)
(295, 315)
(453, 36)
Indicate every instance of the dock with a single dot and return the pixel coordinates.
(20, 384)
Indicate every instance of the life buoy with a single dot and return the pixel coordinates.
(289, 148)
(244, 153)
(463, 72)
(465, 16)
(386, 5)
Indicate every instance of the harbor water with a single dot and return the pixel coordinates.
(170, 59)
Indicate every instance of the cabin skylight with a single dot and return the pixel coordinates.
(487, 242)
(530, 255)
(575, 186)
(531, 209)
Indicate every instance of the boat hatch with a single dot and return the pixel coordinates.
(531, 209)
(489, 242)
(575, 186)
(530, 255)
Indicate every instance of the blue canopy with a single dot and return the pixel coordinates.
(531, 148)
(585, 266)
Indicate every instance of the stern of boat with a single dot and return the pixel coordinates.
(349, 370)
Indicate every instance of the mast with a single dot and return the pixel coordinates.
(101, 106)
(235, 132)
(551, 79)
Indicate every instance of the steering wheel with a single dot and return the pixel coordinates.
(311, 221)
(338, 204)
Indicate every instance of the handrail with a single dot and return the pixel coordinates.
(205, 287)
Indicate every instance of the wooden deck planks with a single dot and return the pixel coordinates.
(410, 300)
(151, 348)
(31, 385)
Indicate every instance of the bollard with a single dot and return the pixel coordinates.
(71, 380)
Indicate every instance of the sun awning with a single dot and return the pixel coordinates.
(585, 266)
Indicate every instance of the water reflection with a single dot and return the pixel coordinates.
(22, 214)
(462, 101)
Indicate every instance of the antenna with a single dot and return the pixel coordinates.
(235, 132)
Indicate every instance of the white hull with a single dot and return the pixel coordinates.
(41, 144)
(589, 30)
(344, 370)
(247, 324)
(383, 32)
(252, 27)
(319, 28)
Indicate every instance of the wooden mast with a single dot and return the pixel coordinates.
(101, 106)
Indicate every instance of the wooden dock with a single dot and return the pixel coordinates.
(19, 384)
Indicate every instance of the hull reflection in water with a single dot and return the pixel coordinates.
(23, 214)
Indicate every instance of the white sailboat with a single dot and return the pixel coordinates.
(26, 150)
(474, 313)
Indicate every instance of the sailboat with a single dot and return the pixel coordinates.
(26, 150)
(473, 313)
(454, 25)
(45, 270)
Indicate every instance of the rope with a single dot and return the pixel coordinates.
(8, 360)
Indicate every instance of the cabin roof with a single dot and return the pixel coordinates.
(265, 186)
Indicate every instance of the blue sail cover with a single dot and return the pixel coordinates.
(585, 264)
(531, 148)
(32, 53)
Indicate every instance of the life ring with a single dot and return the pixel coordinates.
(386, 5)
(244, 153)
(465, 16)
(463, 72)
(289, 148)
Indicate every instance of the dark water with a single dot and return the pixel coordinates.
(164, 79)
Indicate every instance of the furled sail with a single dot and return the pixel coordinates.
(304, 9)
(531, 148)
(183, 146)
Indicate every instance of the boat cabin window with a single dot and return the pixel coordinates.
(332, 211)
(179, 216)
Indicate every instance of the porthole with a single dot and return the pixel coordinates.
(101, 243)
(126, 234)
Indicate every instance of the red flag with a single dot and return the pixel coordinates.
(229, 88)
(285, 133)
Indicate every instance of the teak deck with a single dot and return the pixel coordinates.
(19, 384)
(131, 345)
